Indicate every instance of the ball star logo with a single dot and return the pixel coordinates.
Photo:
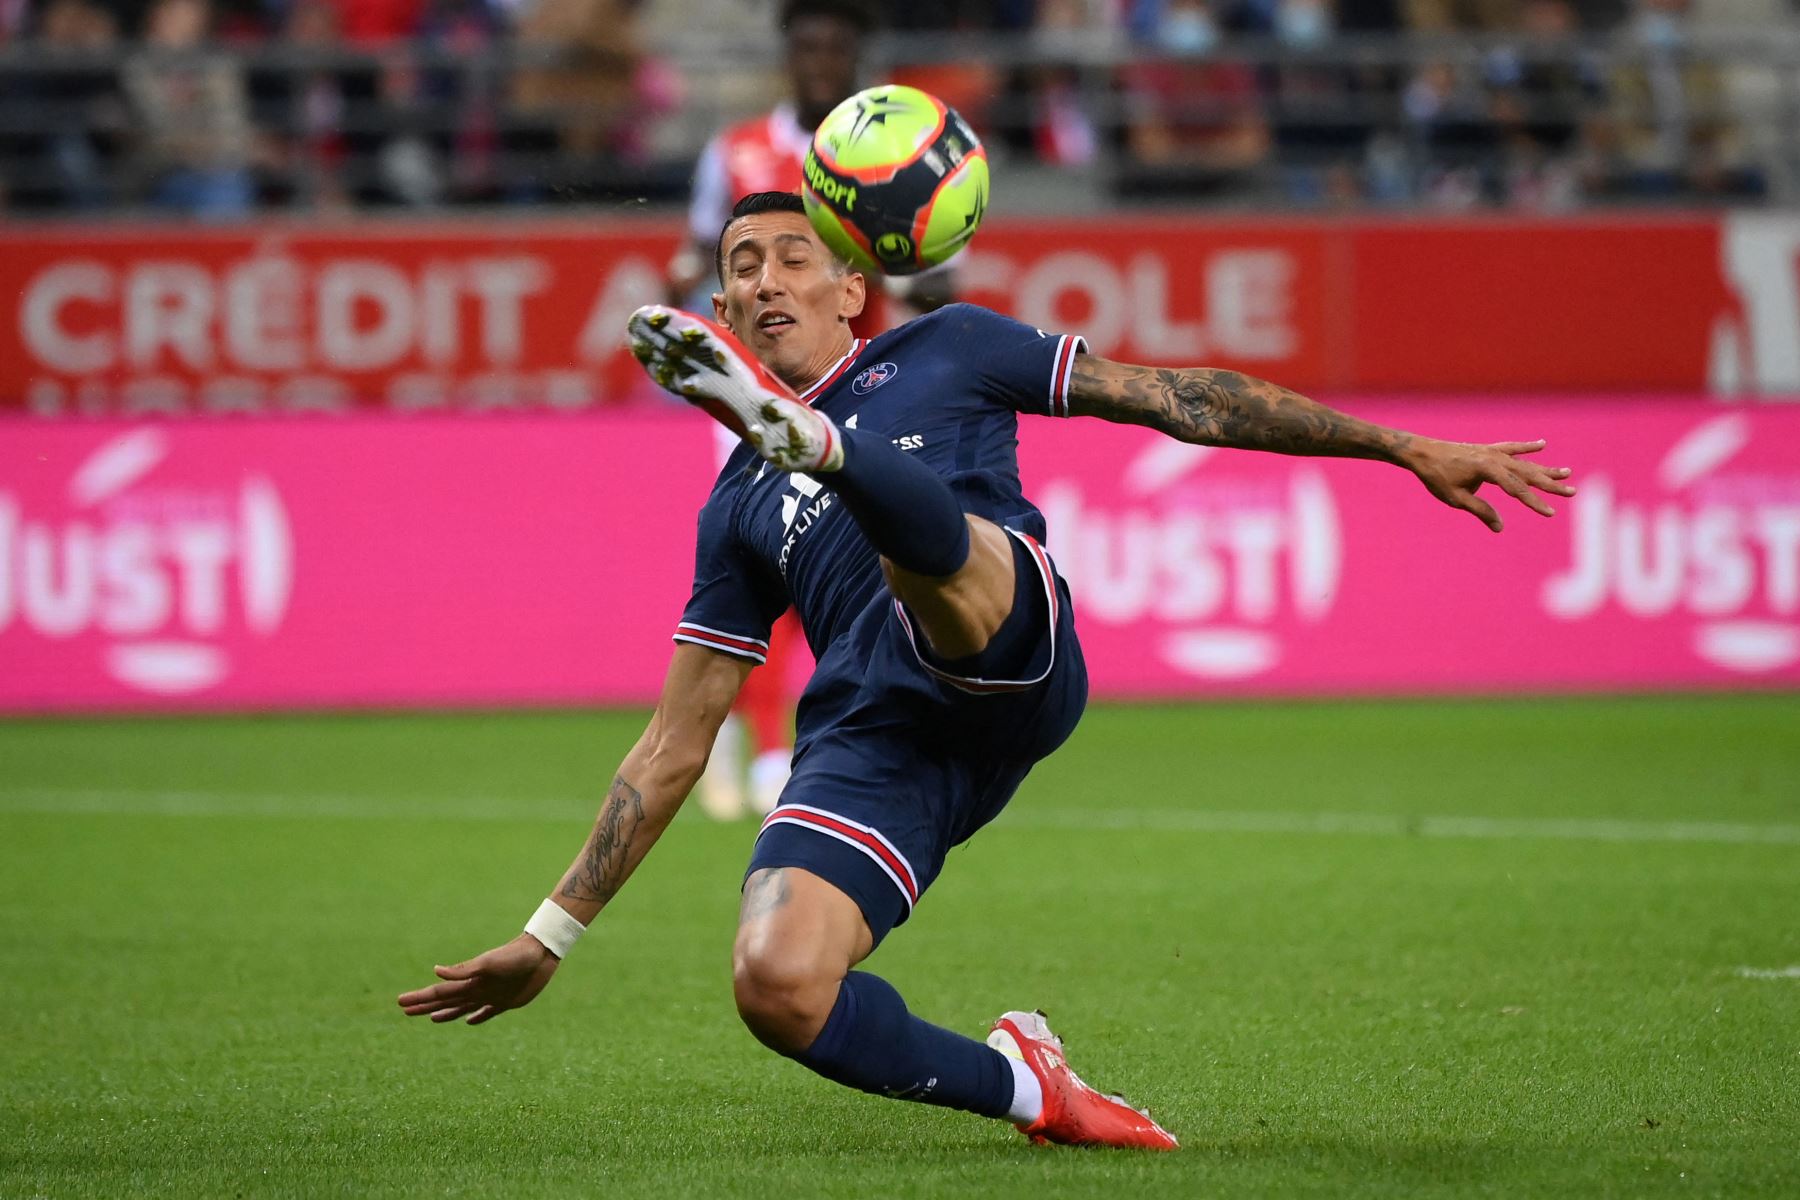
(975, 213)
(873, 110)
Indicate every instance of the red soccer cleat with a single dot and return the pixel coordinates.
(1074, 1113)
(704, 364)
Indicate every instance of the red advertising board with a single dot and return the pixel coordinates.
(1619, 305)
(1171, 291)
(526, 315)
(274, 320)
(438, 561)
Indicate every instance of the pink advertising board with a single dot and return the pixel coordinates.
(1211, 572)
(387, 561)
(364, 561)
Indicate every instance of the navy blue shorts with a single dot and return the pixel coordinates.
(931, 750)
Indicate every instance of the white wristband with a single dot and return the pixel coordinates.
(552, 925)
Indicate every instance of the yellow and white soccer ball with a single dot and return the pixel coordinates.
(895, 180)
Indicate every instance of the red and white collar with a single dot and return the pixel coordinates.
(835, 372)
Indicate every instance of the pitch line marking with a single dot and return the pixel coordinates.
(1596, 829)
(1023, 816)
(282, 805)
(1768, 972)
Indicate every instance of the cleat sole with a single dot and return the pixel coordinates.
(705, 366)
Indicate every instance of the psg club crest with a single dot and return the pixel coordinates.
(874, 377)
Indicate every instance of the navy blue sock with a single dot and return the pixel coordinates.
(905, 508)
(870, 1042)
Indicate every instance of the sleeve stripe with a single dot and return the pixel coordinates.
(752, 648)
(1070, 345)
(690, 627)
(734, 648)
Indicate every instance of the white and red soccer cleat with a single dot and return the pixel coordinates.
(707, 366)
(1074, 1113)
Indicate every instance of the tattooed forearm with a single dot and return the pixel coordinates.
(1224, 408)
(607, 860)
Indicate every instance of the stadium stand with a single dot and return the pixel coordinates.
(219, 109)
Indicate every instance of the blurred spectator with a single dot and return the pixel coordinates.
(573, 102)
(1548, 94)
(303, 103)
(1600, 16)
(1451, 126)
(1322, 108)
(1762, 93)
(1460, 16)
(66, 116)
(455, 109)
(379, 22)
(1670, 133)
(339, 103)
(194, 131)
(1039, 110)
(944, 15)
(246, 22)
(1193, 122)
(1451, 122)
(15, 16)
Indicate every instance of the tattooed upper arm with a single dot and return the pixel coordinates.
(1222, 408)
(1184, 404)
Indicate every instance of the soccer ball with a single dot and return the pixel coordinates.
(895, 180)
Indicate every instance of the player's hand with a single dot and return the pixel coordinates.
(1452, 471)
(508, 976)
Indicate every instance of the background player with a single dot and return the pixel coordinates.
(949, 661)
(823, 44)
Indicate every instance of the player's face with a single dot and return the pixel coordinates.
(822, 53)
(786, 298)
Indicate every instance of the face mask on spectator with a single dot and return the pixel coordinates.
(1302, 23)
(1189, 31)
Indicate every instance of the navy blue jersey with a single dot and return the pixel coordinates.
(947, 387)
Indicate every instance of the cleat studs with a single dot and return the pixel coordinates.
(771, 413)
(642, 351)
(657, 320)
(665, 376)
(692, 337)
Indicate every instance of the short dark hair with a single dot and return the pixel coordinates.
(853, 12)
(750, 206)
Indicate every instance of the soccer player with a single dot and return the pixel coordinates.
(823, 44)
(878, 492)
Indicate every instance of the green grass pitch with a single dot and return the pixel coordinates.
(1508, 949)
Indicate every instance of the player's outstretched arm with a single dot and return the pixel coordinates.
(1226, 408)
(654, 779)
